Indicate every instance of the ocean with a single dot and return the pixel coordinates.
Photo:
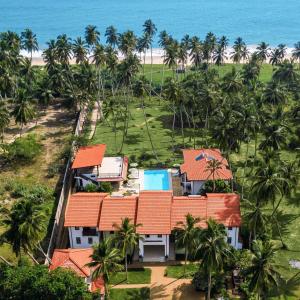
(273, 21)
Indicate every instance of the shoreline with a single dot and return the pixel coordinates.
(157, 56)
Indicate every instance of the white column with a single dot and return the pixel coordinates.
(167, 246)
(141, 248)
(70, 236)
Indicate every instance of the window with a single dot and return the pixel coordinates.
(229, 239)
(90, 240)
(159, 235)
(78, 240)
(147, 235)
(229, 228)
(76, 228)
(111, 232)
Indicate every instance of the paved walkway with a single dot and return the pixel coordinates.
(165, 288)
(94, 119)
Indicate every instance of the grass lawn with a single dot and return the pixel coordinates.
(157, 71)
(177, 271)
(130, 294)
(135, 276)
(137, 145)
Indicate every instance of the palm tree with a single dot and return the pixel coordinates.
(255, 217)
(142, 88)
(92, 35)
(63, 49)
(219, 56)
(274, 136)
(262, 272)
(23, 111)
(275, 57)
(274, 94)
(24, 224)
(4, 117)
(186, 234)
(172, 55)
(209, 46)
(213, 250)
(282, 51)
(127, 43)
(126, 238)
(79, 50)
(150, 29)
(286, 73)
(183, 54)
(29, 41)
(196, 51)
(164, 40)
(213, 167)
(111, 36)
(143, 44)
(296, 52)
(237, 53)
(262, 51)
(105, 262)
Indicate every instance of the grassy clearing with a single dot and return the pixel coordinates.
(178, 271)
(157, 73)
(130, 294)
(135, 276)
(137, 144)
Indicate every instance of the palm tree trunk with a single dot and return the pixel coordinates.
(148, 132)
(209, 286)
(151, 65)
(279, 232)
(126, 267)
(173, 129)
(33, 259)
(181, 121)
(244, 171)
(185, 261)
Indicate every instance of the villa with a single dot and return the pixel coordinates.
(194, 171)
(90, 217)
(76, 260)
(91, 166)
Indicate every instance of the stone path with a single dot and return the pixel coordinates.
(165, 288)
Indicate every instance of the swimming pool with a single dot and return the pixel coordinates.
(156, 180)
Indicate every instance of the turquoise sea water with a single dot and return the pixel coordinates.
(274, 21)
(156, 180)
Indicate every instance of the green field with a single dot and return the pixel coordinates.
(157, 71)
(130, 294)
(135, 276)
(137, 144)
(178, 270)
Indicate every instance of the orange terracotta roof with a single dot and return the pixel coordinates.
(154, 212)
(116, 208)
(83, 209)
(182, 206)
(89, 156)
(76, 260)
(195, 166)
(224, 208)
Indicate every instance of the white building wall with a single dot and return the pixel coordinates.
(154, 240)
(233, 235)
(196, 186)
(75, 234)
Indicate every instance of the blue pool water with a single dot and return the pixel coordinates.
(273, 21)
(156, 180)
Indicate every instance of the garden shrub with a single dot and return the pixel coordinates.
(23, 149)
(91, 188)
(105, 187)
(221, 186)
(217, 281)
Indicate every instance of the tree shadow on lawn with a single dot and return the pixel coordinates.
(158, 291)
(139, 294)
(132, 139)
(187, 291)
(287, 288)
(295, 199)
(284, 221)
